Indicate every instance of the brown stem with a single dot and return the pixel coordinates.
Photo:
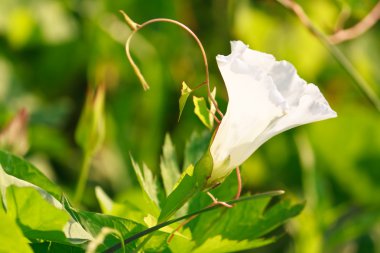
(137, 27)
(238, 175)
(361, 83)
(355, 31)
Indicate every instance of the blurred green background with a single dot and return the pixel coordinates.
(51, 51)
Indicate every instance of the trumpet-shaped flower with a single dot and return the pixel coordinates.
(266, 97)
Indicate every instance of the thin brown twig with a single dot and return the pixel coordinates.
(359, 81)
(238, 175)
(136, 27)
(355, 31)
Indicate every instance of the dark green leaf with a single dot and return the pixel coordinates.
(49, 247)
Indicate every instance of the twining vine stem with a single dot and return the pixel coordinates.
(136, 27)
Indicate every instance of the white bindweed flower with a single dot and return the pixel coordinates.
(266, 97)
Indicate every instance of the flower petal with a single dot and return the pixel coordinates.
(266, 97)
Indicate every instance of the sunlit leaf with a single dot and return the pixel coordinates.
(37, 218)
(24, 170)
(220, 244)
(169, 166)
(11, 236)
(148, 183)
(202, 111)
(185, 92)
(188, 187)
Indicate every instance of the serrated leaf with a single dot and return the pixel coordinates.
(148, 183)
(21, 169)
(198, 212)
(37, 218)
(188, 187)
(185, 92)
(202, 111)
(247, 221)
(11, 236)
(169, 166)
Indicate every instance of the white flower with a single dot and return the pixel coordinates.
(266, 97)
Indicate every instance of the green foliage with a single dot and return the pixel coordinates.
(185, 93)
(148, 184)
(202, 111)
(189, 185)
(52, 50)
(11, 233)
(21, 169)
(169, 166)
(90, 131)
(37, 218)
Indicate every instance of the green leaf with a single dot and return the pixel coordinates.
(204, 210)
(169, 166)
(188, 187)
(94, 223)
(148, 183)
(24, 170)
(185, 92)
(91, 127)
(202, 111)
(195, 147)
(220, 245)
(12, 235)
(247, 221)
(48, 247)
(37, 218)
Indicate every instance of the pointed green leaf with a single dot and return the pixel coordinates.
(188, 187)
(195, 147)
(94, 223)
(105, 202)
(11, 236)
(37, 218)
(148, 183)
(204, 210)
(185, 92)
(169, 166)
(247, 221)
(21, 169)
(202, 111)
